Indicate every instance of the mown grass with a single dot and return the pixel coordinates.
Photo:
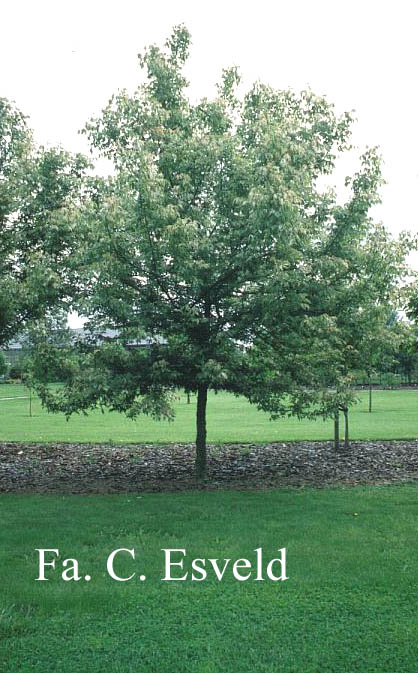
(349, 603)
(230, 419)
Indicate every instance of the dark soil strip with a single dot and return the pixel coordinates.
(93, 468)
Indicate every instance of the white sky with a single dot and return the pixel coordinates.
(61, 62)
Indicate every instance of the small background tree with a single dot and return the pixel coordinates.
(4, 367)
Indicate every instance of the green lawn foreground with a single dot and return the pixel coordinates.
(350, 603)
(230, 419)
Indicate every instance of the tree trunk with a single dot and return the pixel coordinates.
(370, 395)
(337, 430)
(346, 437)
(188, 398)
(202, 397)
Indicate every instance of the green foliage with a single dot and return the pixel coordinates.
(38, 188)
(16, 371)
(213, 235)
(405, 352)
(46, 341)
(3, 364)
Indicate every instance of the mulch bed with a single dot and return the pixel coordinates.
(93, 468)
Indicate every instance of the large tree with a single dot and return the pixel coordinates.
(213, 239)
(37, 188)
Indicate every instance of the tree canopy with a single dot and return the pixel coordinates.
(213, 238)
(37, 188)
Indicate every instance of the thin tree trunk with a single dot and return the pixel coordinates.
(370, 395)
(30, 402)
(346, 437)
(202, 397)
(188, 398)
(337, 430)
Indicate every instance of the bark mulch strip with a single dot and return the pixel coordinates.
(94, 468)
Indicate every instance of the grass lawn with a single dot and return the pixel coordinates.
(350, 603)
(230, 419)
